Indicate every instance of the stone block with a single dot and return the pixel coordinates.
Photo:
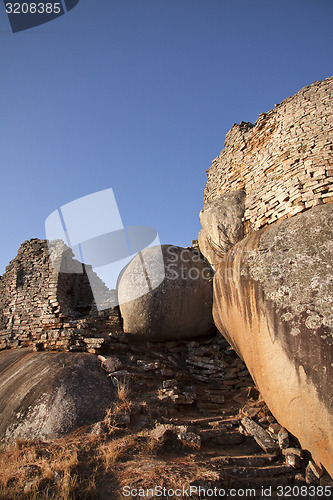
(260, 435)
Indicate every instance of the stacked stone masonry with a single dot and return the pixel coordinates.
(48, 309)
(284, 162)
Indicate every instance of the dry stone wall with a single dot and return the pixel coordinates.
(284, 162)
(49, 309)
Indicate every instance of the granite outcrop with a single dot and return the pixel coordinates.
(222, 225)
(47, 395)
(273, 289)
(273, 302)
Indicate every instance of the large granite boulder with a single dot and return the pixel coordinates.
(273, 301)
(222, 225)
(46, 395)
(166, 293)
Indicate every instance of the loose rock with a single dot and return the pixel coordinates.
(260, 435)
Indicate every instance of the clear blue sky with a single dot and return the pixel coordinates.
(138, 95)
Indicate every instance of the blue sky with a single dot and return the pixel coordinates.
(137, 95)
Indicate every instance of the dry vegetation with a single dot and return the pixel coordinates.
(68, 468)
(90, 464)
(46, 470)
(90, 467)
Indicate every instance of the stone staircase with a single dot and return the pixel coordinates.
(201, 393)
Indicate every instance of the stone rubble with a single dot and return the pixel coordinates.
(186, 410)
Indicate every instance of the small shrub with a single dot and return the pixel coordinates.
(110, 453)
(123, 391)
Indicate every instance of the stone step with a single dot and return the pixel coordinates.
(243, 460)
(264, 488)
(257, 472)
(259, 483)
(206, 421)
(220, 436)
(212, 432)
(228, 411)
(226, 424)
(208, 396)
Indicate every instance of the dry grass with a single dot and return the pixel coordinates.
(82, 466)
(119, 450)
(123, 391)
(86, 466)
(68, 468)
(120, 408)
(150, 445)
(171, 473)
(110, 453)
(27, 468)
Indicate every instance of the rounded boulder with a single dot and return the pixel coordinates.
(48, 395)
(166, 293)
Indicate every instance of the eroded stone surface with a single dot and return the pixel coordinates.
(179, 307)
(222, 225)
(48, 395)
(273, 301)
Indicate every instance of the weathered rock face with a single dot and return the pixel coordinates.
(283, 162)
(273, 300)
(222, 225)
(48, 395)
(176, 307)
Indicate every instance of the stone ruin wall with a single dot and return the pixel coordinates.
(48, 309)
(284, 162)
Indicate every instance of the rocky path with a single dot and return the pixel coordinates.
(202, 403)
(179, 420)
